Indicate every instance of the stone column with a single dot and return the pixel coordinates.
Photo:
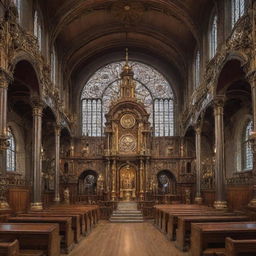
(57, 164)
(198, 198)
(220, 197)
(141, 180)
(113, 192)
(4, 83)
(252, 80)
(36, 155)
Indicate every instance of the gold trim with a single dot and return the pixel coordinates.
(220, 205)
(36, 206)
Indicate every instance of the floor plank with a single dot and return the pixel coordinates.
(126, 239)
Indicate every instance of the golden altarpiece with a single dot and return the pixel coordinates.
(128, 161)
(128, 142)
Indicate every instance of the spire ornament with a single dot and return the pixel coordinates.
(127, 85)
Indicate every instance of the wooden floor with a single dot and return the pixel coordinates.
(131, 239)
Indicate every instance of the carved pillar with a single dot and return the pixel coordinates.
(4, 82)
(57, 164)
(252, 80)
(113, 192)
(141, 179)
(220, 197)
(107, 174)
(36, 155)
(198, 198)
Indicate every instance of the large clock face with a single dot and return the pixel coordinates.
(127, 121)
(127, 143)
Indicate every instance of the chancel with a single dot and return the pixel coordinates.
(127, 127)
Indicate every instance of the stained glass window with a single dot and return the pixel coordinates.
(38, 29)
(11, 153)
(247, 155)
(104, 84)
(197, 69)
(92, 117)
(163, 117)
(53, 66)
(18, 5)
(213, 37)
(238, 10)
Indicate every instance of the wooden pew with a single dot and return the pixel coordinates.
(91, 213)
(67, 243)
(9, 248)
(65, 213)
(13, 249)
(34, 236)
(160, 210)
(75, 220)
(184, 225)
(206, 238)
(170, 222)
(240, 247)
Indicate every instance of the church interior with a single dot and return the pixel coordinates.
(127, 127)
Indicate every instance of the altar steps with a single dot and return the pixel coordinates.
(128, 216)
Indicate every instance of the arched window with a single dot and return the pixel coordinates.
(54, 66)
(38, 29)
(92, 117)
(18, 5)
(163, 117)
(247, 155)
(213, 37)
(11, 152)
(197, 69)
(151, 88)
(237, 11)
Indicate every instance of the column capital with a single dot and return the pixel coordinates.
(251, 78)
(218, 103)
(37, 106)
(5, 78)
(57, 129)
(198, 128)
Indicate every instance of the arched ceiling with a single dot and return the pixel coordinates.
(164, 29)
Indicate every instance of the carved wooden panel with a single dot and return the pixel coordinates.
(19, 199)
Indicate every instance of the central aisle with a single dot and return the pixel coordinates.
(126, 239)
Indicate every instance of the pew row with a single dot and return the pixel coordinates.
(240, 247)
(184, 226)
(67, 243)
(209, 238)
(75, 221)
(12, 249)
(34, 236)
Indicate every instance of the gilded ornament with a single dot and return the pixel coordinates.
(127, 143)
(127, 121)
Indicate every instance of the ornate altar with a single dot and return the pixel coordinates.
(128, 136)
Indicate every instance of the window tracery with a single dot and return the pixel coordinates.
(150, 85)
(237, 11)
(11, 152)
(247, 155)
(18, 5)
(53, 66)
(197, 69)
(38, 29)
(213, 36)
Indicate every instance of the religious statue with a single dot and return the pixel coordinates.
(66, 195)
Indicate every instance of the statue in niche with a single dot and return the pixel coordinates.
(66, 195)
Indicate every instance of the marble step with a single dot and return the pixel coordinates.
(127, 217)
(126, 214)
(126, 221)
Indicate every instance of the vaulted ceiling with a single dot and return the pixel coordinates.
(166, 31)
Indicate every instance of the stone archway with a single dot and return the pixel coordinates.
(166, 182)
